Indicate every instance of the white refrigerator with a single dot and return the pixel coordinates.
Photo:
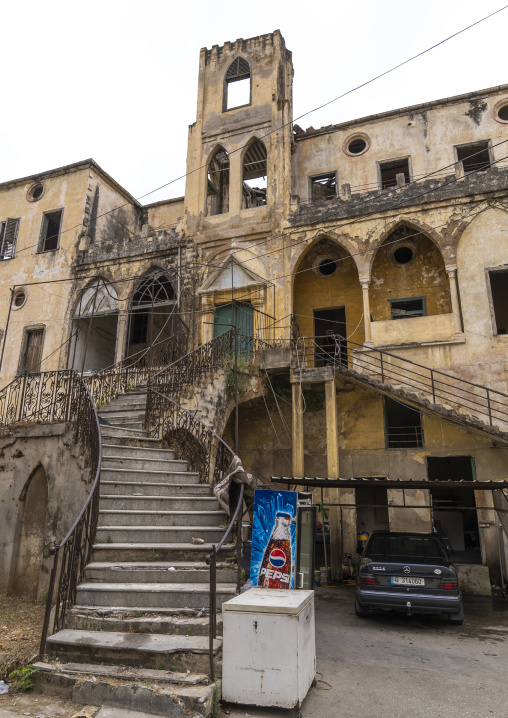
(269, 647)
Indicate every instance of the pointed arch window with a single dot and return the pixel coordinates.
(237, 84)
(217, 198)
(154, 290)
(254, 175)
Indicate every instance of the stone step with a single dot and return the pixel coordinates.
(137, 621)
(122, 517)
(164, 503)
(153, 595)
(142, 476)
(155, 572)
(122, 432)
(148, 488)
(135, 442)
(113, 450)
(133, 424)
(157, 534)
(164, 652)
(122, 673)
(125, 552)
(119, 407)
(142, 462)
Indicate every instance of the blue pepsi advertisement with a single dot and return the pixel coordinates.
(273, 539)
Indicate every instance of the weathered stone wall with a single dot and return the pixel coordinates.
(31, 521)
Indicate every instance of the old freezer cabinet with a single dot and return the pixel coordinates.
(269, 647)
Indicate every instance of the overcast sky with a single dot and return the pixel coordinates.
(117, 80)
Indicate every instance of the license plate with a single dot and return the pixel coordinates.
(407, 581)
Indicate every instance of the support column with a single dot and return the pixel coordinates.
(451, 271)
(298, 446)
(365, 282)
(208, 318)
(332, 495)
(121, 334)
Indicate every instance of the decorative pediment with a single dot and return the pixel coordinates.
(231, 275)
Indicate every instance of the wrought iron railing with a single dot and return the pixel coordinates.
(209, 455)
(472, 400)
(37, 398)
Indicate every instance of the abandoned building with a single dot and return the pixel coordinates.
(361, 271)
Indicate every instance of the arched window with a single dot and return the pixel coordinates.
(237, 84)
(154, 291)
(217, 198)
(254, 175)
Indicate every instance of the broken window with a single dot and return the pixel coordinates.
(152, 294)
(237, 84)
(403, 426)
(323, 186)
(217, 199)
(406, 308)
(8, 236)
(31, 359)
(50, 233)
(499, 289)
(254, 175)
(474, 157)
(389, 170)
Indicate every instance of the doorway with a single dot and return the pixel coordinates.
(327, 323)
(237, 314)
(372, 509)
(454, 510)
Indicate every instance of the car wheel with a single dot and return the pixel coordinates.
(456, 619)
(361, 612)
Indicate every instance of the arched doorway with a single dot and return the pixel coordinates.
(29, 542)
(94, 327)
(327, 295)
(151, 317)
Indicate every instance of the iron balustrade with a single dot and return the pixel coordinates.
(479, 402)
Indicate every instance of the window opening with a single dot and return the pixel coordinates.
(403, 426)
(502, 113)
(51, 230)
(8, 236)
(19, 298)
(324, 186)
(390, 170)
(238, 84)
(357, 146)
(254, 175)
(499, 289)
(217, 201)
(35, 192)
(327, 267)
(33, 351)
(403, 255)
(407, 308)
(327, 324)
(474, 157)
(153, 290)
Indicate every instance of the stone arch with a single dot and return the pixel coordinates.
(254, 164)
(414, 224)
(151, 310)
(30, 537)
(218, 178)
(94, 326)
(237, 90)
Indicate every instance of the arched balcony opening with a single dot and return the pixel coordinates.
(152, 311)
(217, 197)
(94, 327)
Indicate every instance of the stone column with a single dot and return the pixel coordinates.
(121, 332)
(451, 271)
(333, 495)
(298, 446)
(235, 183)
(208, 318)
(365, 282)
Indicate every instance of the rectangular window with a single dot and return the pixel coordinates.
(475, 156)
(33, 351)
(403, 426)
(8, 236)
(324, 186)
(499, 289)
(406, 308)
(139, 328)
(389, 170)
(50, 233)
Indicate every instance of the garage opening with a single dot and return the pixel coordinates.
(454, 510)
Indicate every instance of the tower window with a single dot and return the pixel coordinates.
(217, 200)
(254, 175)
(390, 170)
(237, 85)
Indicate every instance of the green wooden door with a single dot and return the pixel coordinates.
(240, 314)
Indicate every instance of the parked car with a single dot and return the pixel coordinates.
(409, 573)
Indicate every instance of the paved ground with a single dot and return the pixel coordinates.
(387, 666)
(381, 667)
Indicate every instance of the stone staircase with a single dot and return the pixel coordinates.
(141, 613)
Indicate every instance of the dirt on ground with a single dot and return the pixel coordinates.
(20, 632)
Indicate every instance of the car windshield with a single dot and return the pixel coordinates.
(406, 546)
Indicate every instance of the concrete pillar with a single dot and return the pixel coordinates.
(121, 334)
(333, 495)
(298, 446)
(451, 271)
(365, 282)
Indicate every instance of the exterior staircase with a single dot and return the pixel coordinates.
(141, 613)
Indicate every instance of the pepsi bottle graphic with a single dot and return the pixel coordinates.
(275, 571)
